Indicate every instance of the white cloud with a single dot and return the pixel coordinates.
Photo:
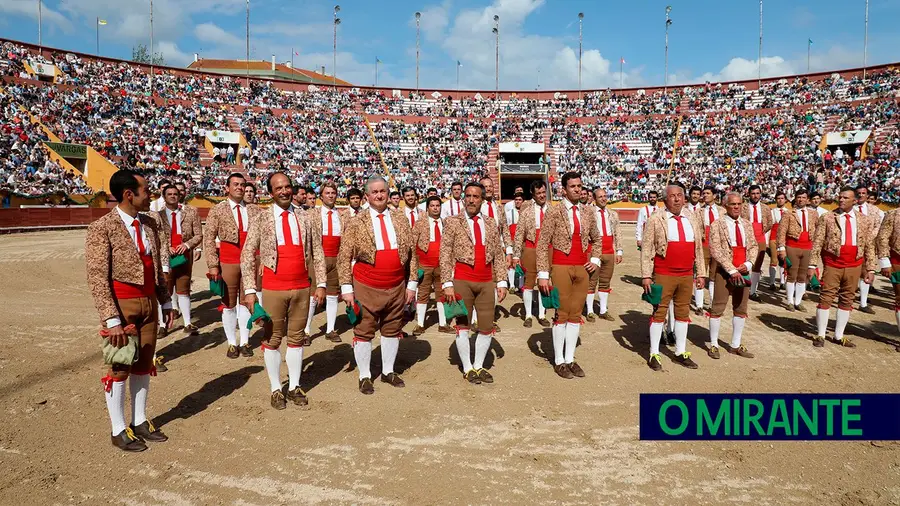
(210, 33)
(172, 54)
(49, 16)
(434, 21)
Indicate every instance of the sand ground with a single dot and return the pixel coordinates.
(529, 438)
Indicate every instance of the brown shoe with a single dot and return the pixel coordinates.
(576, 369)
(608, 317)
(867, 310)
(446, 329)
(654, 362)
(246, 350)
(740, 351)
(333, 337)
(846, 343)
(148, 432)
(485, 376)
(418, 331)
(791, 308)
(819, 342)
(591, 317)
(191, 330)
(127, 441)
(800, 308)
(713, 352)
(685, 360)
(232, 352)
(563, 371)
(472, 377)
(543, 322)
(393, 379)
(298, 396)
(366, 387)
(159, 365)
(278, 401)
(527, 323)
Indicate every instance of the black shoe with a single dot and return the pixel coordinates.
(148, 432)
(867, 310)
(685, 360)
(393, 379)
(563, 371)
(527, 324)
(654, 363)
(819, 342)
(800, 308)
(366, 387)
(485, 376)
(755, 297)
(246, 350)
(159, 365)
(127, 441)
(298, 396)
(232, 352)
(472, 377)
(576, 369)
(278, 401)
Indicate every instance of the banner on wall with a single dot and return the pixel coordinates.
(44, 69)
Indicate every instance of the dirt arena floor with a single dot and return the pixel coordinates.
(529, 438)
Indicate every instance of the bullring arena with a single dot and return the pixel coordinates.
(528, 438)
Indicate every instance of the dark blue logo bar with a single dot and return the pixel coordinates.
(677, 417)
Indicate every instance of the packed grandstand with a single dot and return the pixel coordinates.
(781, 136)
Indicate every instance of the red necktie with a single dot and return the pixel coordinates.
(603, 221)
(330, 225)
(137, 235)
(755, 215)
(412, 219)
(240, 223)
(385, 238)
(174, 229)
(712, 218)
(848, 233)
(681, 235)
(803, 224)
(542, 219)
(861, 209)
(576, 227)
(478, 240)
(286, 229)
(437, 232)
(490, 210)
(738, 238)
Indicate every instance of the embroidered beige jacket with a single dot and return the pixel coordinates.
(191, 231)
(556, 232)
(720, 247)
(358, 244)
(458, 245)
(220, 223)
(526, 229)
(656, 242)
(828, 239)
(791, 227)
(888, 237)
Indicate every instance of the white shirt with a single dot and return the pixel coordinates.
(704, 211)
(842, 223)
(672, 228)
(537, 214)
(777, 214)
(440, 225)
(451, 208)
(732, 225)
(236, 208)
(643, 215)
(279, 225)
(601, 214)
(129, 226)
(821, 210)
(512, 214)
(471, 223)
(410, 214)
(379, 242)
(158, 204)
(178, 217)
(335, 221)
(569, 206)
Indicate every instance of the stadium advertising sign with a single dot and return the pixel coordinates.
(222, 137)
(522, 168)
(747, 417)
(44, 69)
(522, 147)
(66, 150)
(847, 137)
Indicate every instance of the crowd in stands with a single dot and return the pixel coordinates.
(727, 136)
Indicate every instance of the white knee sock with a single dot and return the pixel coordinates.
(791, 288)
(863, 293)
(259, 297)
(670, 321)
(159, 315)
(420, 314)
(754, 281)
(474, 318)
(462, 346)
(589, 302)
(362, 351)
(243, 317)
(681, 330)
(737, 330)
(442, 318)
(714, 325)
(184, 304)
(528, 300)
(115, 406)
(821, 321)
(782, 274)
(482, 345)
(604, 301)
(698, 297)
(139, 385)
(272, 359)
(511, 277)
(559, 341)
(389, 348)
(712, 291)
(799, 290)
(542, 311)
(843, 317)
(771, 276)
(331, 304)
(572, 331)
(229, 324)
(309, 317)
(293, 357)
(656, 330)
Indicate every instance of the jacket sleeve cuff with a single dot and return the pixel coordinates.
(812, 266)
(322, 285)
(749, 266)
(345, 289)
(780, 248)
(543, 275)
(412, 285)
(509, 250)
(619, 252)
(595, 261)
(884, 263)
(113, 322)
(165, 269)
(249, 291)
(502, 284)
(448, 284)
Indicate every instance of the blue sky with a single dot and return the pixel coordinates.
(708, 40)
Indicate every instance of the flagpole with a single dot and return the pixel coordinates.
(292, 62)
(98, 35)
(808, 48)
(151, 47)
(248, 48)
(759, 58)
(376, 71)
(666, 76)
(580, 20)
(40, 26)
(337, 21)
(866, 42)
(457, 75)
(621, 65)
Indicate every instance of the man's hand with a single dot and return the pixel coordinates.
(214, 272)
(196, 255)
(590, 267)
(250, 301)
(618, 259)
(516, 262)
(810, 272)
(742, 269)
(886, 272)
(737, 279)
(544, 286)
(870, 277)
(449, 294)
(319, 295)
(645, 283)
(117, 336)
(169, 318)
(348, 299)
(501, 294)
(179, 250)
(410, 296)
(700, 283)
